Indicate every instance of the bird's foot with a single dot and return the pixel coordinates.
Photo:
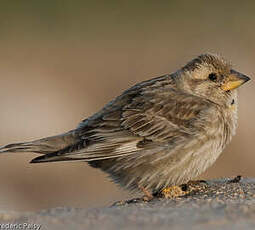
(147, 195)
(173, 192)
(237, 179)
(181, 190)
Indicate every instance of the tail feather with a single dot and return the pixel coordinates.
(44, 145)
(19, 147)
(54, 158)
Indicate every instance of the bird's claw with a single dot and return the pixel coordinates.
(173, 192)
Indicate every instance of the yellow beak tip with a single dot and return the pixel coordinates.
(232, 85)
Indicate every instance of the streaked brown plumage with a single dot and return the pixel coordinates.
(161, 132)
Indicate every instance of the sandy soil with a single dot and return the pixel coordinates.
(219, 204)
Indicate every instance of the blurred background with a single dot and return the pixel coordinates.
(61, 61)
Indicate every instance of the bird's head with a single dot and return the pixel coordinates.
(211, 77)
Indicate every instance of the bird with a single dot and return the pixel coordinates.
(158, 134)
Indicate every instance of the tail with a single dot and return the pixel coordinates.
(44, 145)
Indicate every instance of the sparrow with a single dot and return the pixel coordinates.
(159, 133)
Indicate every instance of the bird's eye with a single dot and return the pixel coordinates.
(212, 76)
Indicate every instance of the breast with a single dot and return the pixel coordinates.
(217, 135)
(230, 116)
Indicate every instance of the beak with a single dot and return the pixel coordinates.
(234, 80)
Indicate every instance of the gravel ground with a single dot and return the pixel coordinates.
(219, 204)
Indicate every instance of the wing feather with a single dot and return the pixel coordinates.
(132, 123)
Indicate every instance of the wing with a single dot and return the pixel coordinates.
(138, 120)
(162, 116)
